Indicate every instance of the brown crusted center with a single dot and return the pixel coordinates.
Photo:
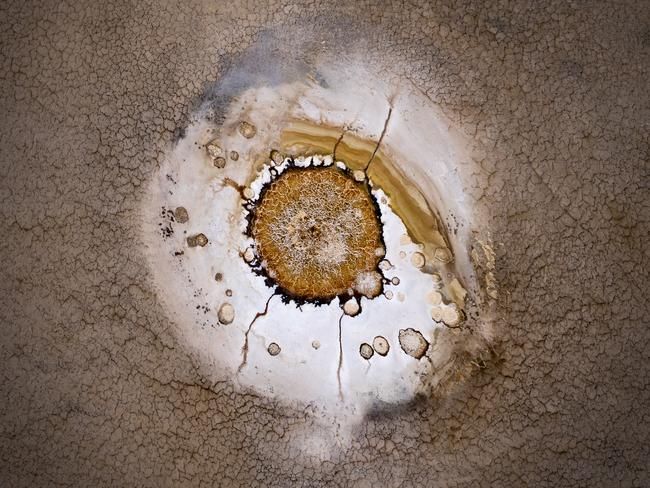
(317, 231)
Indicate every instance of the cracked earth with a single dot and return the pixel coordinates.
(95, 388)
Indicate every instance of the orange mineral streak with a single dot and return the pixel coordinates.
(316, 230)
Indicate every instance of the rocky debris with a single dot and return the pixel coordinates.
(418, 260)
(443, 255)
(413, 343)
(247, 130)
(214, 149)
(380, 345)
(273, 349)
(226, 313)
(249, 255)
(366, 351)
(277, 157)
(451, 315)
(368, 283)
(197, 240)
(351, 307)
(358, 175)
(181, 215)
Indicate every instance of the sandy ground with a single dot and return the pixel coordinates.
(95, 391)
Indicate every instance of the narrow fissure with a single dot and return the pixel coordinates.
(244, 348)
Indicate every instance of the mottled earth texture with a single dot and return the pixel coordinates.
(94, 387)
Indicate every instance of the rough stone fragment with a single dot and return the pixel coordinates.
(366, 351)
(249, 255)
(214, 149)
(181, 215)
(413, 343)
(450, 315)
(197, 240)
(351, 307)
(277, 157)
(443, 255)
(418, 260)
(226, 313)
(247, 130)
(380, 345)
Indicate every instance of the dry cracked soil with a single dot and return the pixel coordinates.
(96, 391)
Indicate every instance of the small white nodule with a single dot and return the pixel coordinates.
(226, 314)
(351, 307)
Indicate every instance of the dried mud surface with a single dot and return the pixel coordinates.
(95, 390)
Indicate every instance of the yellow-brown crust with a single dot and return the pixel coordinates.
(316, 230)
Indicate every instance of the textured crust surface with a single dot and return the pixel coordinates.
(95, 391)
(316, 231)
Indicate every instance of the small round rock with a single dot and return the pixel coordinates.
(226, 313)
(380, 345)
(181, 215)
(234, 155)
(249, 255)
(366, 351)
(277, 157)
(358, 175)
(450, 315)
(351, 307)
(273, 349)
(197, 240)
(443, 255)
(219, 162)
(413, 343)
(213, 148)
(418, 260)
(315, 344)
(247, 130)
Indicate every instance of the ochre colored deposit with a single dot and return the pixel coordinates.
(316, 230)
(407, 201)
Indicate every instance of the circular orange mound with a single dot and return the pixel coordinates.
(316, 231)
